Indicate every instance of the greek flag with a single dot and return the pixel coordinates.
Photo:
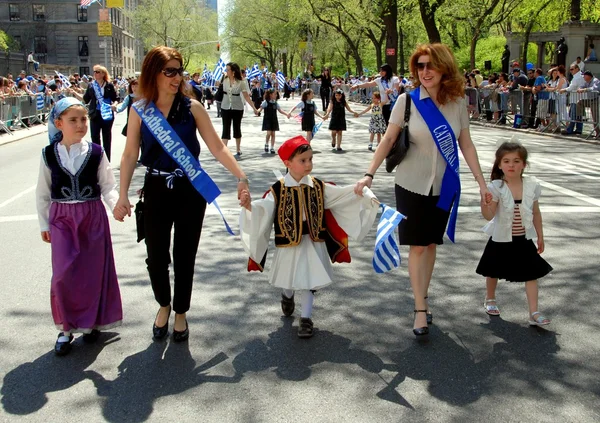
(63, 79)
(387, 255)
(39, 101)
(207, 77)
(219, 70)
(316, 128)
(254, 72)
(280, 79)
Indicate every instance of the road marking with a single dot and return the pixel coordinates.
(16, 197)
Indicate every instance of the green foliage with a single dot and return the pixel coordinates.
(491, 48)
(4, 41)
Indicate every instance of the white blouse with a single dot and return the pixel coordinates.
(307, 265)
(423, 168)
(72, 159)
(393, 83)
(500, 227)
(232, 94)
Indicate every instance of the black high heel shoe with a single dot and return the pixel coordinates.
(420, 331)
(160, 333)
(183, 335)
(429, 314)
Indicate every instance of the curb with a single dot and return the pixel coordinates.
(23, 134)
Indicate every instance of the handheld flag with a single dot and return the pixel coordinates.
(254, 72)
(387, 254)
(316, 128)
(280, 79)
(63, 79)
(219, 70)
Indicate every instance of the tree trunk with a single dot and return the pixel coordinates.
(474, 40)
(291, 65)
(401, 50)
(428, 17)
(390, 19)
(575, 10)
(284, 60)
(377, 44)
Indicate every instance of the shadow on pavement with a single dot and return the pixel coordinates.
(24, 389)
(292, 357)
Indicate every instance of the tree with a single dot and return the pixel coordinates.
(389, 16)
(428, 9)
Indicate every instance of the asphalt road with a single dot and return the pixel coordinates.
(244, 362)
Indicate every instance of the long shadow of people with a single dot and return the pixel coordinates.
(292, 358)
(24, 388)
(162, 369)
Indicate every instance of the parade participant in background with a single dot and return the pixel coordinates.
(74, 175)
(377, 123)
(302, 259)
(101, 98)
(270, 122)
(515, 219)
(427, 182)
(389, 89)
(128, 102)
(257, 95)
(171, 201)
(232, 107)
(337, 109)
(309, 110)
(326, 87)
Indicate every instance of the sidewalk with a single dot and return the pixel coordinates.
(23, 133)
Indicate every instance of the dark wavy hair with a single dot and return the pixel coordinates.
(389, 72)
(237, 73)
(503, 150)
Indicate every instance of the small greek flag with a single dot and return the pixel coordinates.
(63, 79)
(280, 79)
(219, 70)
(206, 77)
(254, 72)
(387, 254)
(316, 128)
(39, 101)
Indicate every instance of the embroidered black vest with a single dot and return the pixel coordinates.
(289, 204)
(83, 186)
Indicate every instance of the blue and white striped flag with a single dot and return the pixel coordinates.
(219, 70)
(63, 79)
(254, 72)
(280, 79)
(39, 101)
(387, 254)
(316, 128)
(206, 77)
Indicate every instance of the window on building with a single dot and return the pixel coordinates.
(84, 70)
(82, 14)
(39, 12)
(13, 11)
(84, 49)
(40, 45)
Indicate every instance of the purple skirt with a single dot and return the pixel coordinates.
(84, 293)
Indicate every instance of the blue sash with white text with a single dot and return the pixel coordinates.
(101, 104)
(445, 140)
(169, 140)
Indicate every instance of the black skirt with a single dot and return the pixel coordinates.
(425, 222)
(516, 261)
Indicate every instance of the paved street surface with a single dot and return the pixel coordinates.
(244, 362)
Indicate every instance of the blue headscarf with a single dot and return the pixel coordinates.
(54, 134)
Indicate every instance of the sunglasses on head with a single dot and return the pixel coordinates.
(423, 65)
(171, 72)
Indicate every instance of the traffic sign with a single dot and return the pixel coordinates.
(104, 29)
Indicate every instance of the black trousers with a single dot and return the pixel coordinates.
(386, 111)
(228, 117)
(97, 125)
(181, 208)
(325, 97)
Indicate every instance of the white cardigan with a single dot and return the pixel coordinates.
(500, 227)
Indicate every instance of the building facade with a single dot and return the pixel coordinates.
(65, 34)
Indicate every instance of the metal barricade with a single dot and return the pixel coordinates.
(583, 113)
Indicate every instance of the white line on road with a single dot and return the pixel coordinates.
(16, 197)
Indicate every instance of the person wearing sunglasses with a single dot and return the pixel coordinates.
(425, 194)
(171, 203)
(108, 93)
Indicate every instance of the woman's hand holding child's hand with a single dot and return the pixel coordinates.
(46, 236)
(122, 209)
(245, 200)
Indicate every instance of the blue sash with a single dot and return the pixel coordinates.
(393, 96)
(445, 140)
(101, 103)
(170, 142)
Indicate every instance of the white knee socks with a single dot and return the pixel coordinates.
(289, 293)
(306, 299)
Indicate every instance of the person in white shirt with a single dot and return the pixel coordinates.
(579, 64)
(389, 88)
(514, 220)
(575, 112)
(591, 86)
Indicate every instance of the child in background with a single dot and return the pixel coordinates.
(515, 219)
(337, 109)
(270, 122)
(377, 124)
(309, 110)
(74, 174)
(296, 205)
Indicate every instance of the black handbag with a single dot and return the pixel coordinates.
(400, 147)
(219, 93)
(139, 218)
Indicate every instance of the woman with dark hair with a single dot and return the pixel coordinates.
(232, 106)
(427, 181)
(326, 87)
(389, 88)
(128, 102)
(170, 199)
(98, 92)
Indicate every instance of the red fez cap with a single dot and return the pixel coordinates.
(287, 148)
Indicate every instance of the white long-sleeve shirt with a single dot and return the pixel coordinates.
(72, 160)
(576, 83)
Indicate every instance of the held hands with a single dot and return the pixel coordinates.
(46, 236)
(540, 244)
(486, 196)
(364, 182)
(243, 186)
(245, 200)
(122, 209)
(356, 115)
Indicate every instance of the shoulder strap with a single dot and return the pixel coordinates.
(407, 109)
